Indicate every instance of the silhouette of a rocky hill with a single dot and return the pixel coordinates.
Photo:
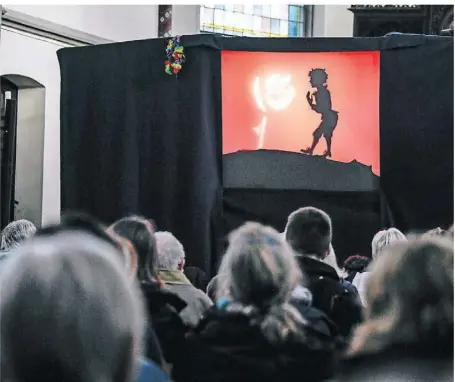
(275, 169)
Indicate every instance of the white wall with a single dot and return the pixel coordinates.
(33, 57)
(185, 19)
(37, 59)
(333, 21)
(112, 22)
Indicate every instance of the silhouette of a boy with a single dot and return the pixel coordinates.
(321, 102)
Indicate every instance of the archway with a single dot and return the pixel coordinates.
(22, 148)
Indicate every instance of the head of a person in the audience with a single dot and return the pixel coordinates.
(69, 312)
(78, 222)
(309, 232)
(410, 297)
(356, 263)
(385, 238)
(141, 233)
(15, 233)
(438, 231)
(171, 254)
(259, 270)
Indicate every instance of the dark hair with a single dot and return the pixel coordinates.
(318, 75)
(140, 232)
(81, 223)
(309, 231)
(356, 263)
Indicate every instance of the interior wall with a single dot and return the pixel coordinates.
(333, 21)
(186, 19)
(112, 22)
(37, 59)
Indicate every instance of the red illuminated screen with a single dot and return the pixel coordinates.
(267, 96)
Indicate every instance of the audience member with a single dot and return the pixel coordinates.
(255, 332)
(380, 241)
(198, 278)
(438, 231)
(84, 223)
(69, 313)
(408, 332)
(124, 252)
(15, 233)
(355, 264)
(309, 233)
(171, 262)
(163, 306)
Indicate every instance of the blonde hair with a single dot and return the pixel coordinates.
(384, 238)
(409, 295)
(259, 270)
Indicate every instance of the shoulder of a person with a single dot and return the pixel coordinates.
(150, 372)
(203, 297)
(334, 285)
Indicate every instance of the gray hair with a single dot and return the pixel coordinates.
(15, 233)
(259, 269)
(67, 303)
(170, 251)
(385, 238)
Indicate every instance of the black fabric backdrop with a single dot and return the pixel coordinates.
(134, 140)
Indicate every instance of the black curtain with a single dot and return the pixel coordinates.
(137, 141)
(416, 118)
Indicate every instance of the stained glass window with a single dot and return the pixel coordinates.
(284, 20)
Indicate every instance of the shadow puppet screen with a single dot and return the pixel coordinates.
(324, 105)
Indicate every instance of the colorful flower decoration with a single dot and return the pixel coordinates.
(175, 57)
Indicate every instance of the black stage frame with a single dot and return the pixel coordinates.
(136, 141)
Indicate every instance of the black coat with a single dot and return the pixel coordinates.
(229, 346)
(416, 362)
(339, 303)
(163, 309)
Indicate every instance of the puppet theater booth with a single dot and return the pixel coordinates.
(220, 144)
